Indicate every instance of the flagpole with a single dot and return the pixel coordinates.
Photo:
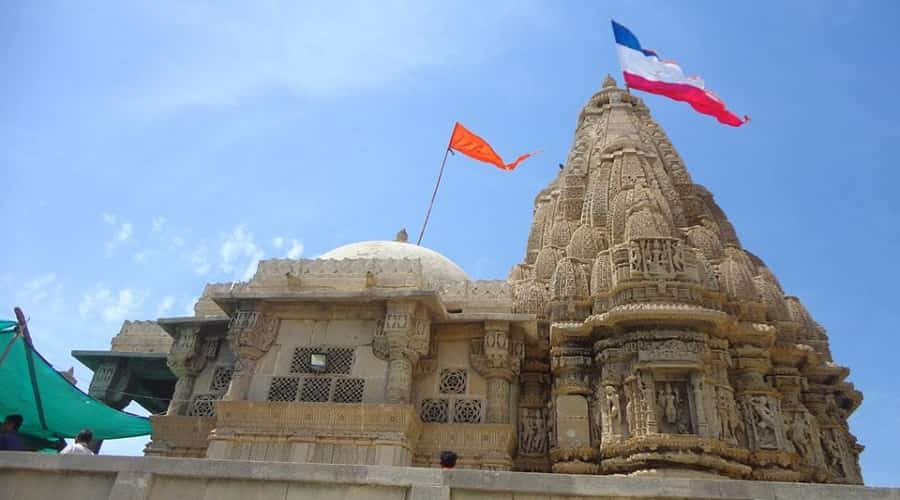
(434, 193)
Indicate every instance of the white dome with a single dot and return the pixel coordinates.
(435, 266)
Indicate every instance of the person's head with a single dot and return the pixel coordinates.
(84, 436)
(12, 423)
(448, 459)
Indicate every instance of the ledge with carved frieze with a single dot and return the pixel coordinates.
(479, 442)
(665, 291)
(343, 274)
(574, 460)
(644, 452)
(673, 314)
(471, 296)
(179, 436)
(290, 418)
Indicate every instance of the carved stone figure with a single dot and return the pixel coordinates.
(799, 435)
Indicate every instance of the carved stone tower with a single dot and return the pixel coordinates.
(666, 347)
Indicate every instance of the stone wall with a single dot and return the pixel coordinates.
(29, 476)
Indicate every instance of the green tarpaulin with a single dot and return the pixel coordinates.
(51, 406)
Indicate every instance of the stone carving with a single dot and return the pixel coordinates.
(250, 335)
(612, 410)
(800, 436)
(532, 432)
(673, 414)
(762, 417)
(654, 257)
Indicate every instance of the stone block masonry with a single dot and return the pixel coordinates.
(31, 476)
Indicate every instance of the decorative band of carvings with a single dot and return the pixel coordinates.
(467, 439)
(181, 431)
(301, 418)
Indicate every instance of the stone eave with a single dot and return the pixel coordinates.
(171, 324)
(527, 322)
(92, 359)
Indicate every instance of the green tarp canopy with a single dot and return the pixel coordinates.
(50, 405)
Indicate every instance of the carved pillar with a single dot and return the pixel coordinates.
(498, 372)
(400, 326)
(574, 449)
(186, 361)
(697, 380)
(250, 335)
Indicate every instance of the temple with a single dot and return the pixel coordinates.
(636, 337)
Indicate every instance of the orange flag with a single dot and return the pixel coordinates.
(469, 144)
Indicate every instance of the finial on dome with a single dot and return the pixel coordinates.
(402, 236)
(609, 82)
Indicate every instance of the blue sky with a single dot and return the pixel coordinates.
(150, 147)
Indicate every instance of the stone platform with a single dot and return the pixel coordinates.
(29, 476)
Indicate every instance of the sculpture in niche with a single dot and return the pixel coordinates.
(532, 432)
(613, 411)
(672, 408)
(833, 453)
(765, 426)
(799, 435)
(726, 414)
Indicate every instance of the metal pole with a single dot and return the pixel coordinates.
(433, 195)
(23, 325)
(29, 357)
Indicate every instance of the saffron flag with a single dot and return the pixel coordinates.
(644, 70)
(469, 144)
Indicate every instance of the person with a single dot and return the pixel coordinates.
(448, 460)
(80, 446)
(10, 440)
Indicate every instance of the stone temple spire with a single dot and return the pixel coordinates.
(667, 346)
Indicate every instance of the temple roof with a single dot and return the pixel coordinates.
(435, 267)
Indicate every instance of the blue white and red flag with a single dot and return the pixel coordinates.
(644, 70)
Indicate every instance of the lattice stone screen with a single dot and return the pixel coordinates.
(467, 411)
(284, 389)
(220, 379)
(340, 359)
(300, 360)
(434, 411)
(453, 381)
(348, 390)
(203, 406)
(316, 390)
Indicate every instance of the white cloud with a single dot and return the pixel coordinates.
(200, 261)
(189, 307)
(240, 247)
(39, 288)
(216, 54)
(124, 230)
(296, 250)
(157, 224)
(278, 242)
(177, 241)
(142, 256)
(165, 306)
(112, 307)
